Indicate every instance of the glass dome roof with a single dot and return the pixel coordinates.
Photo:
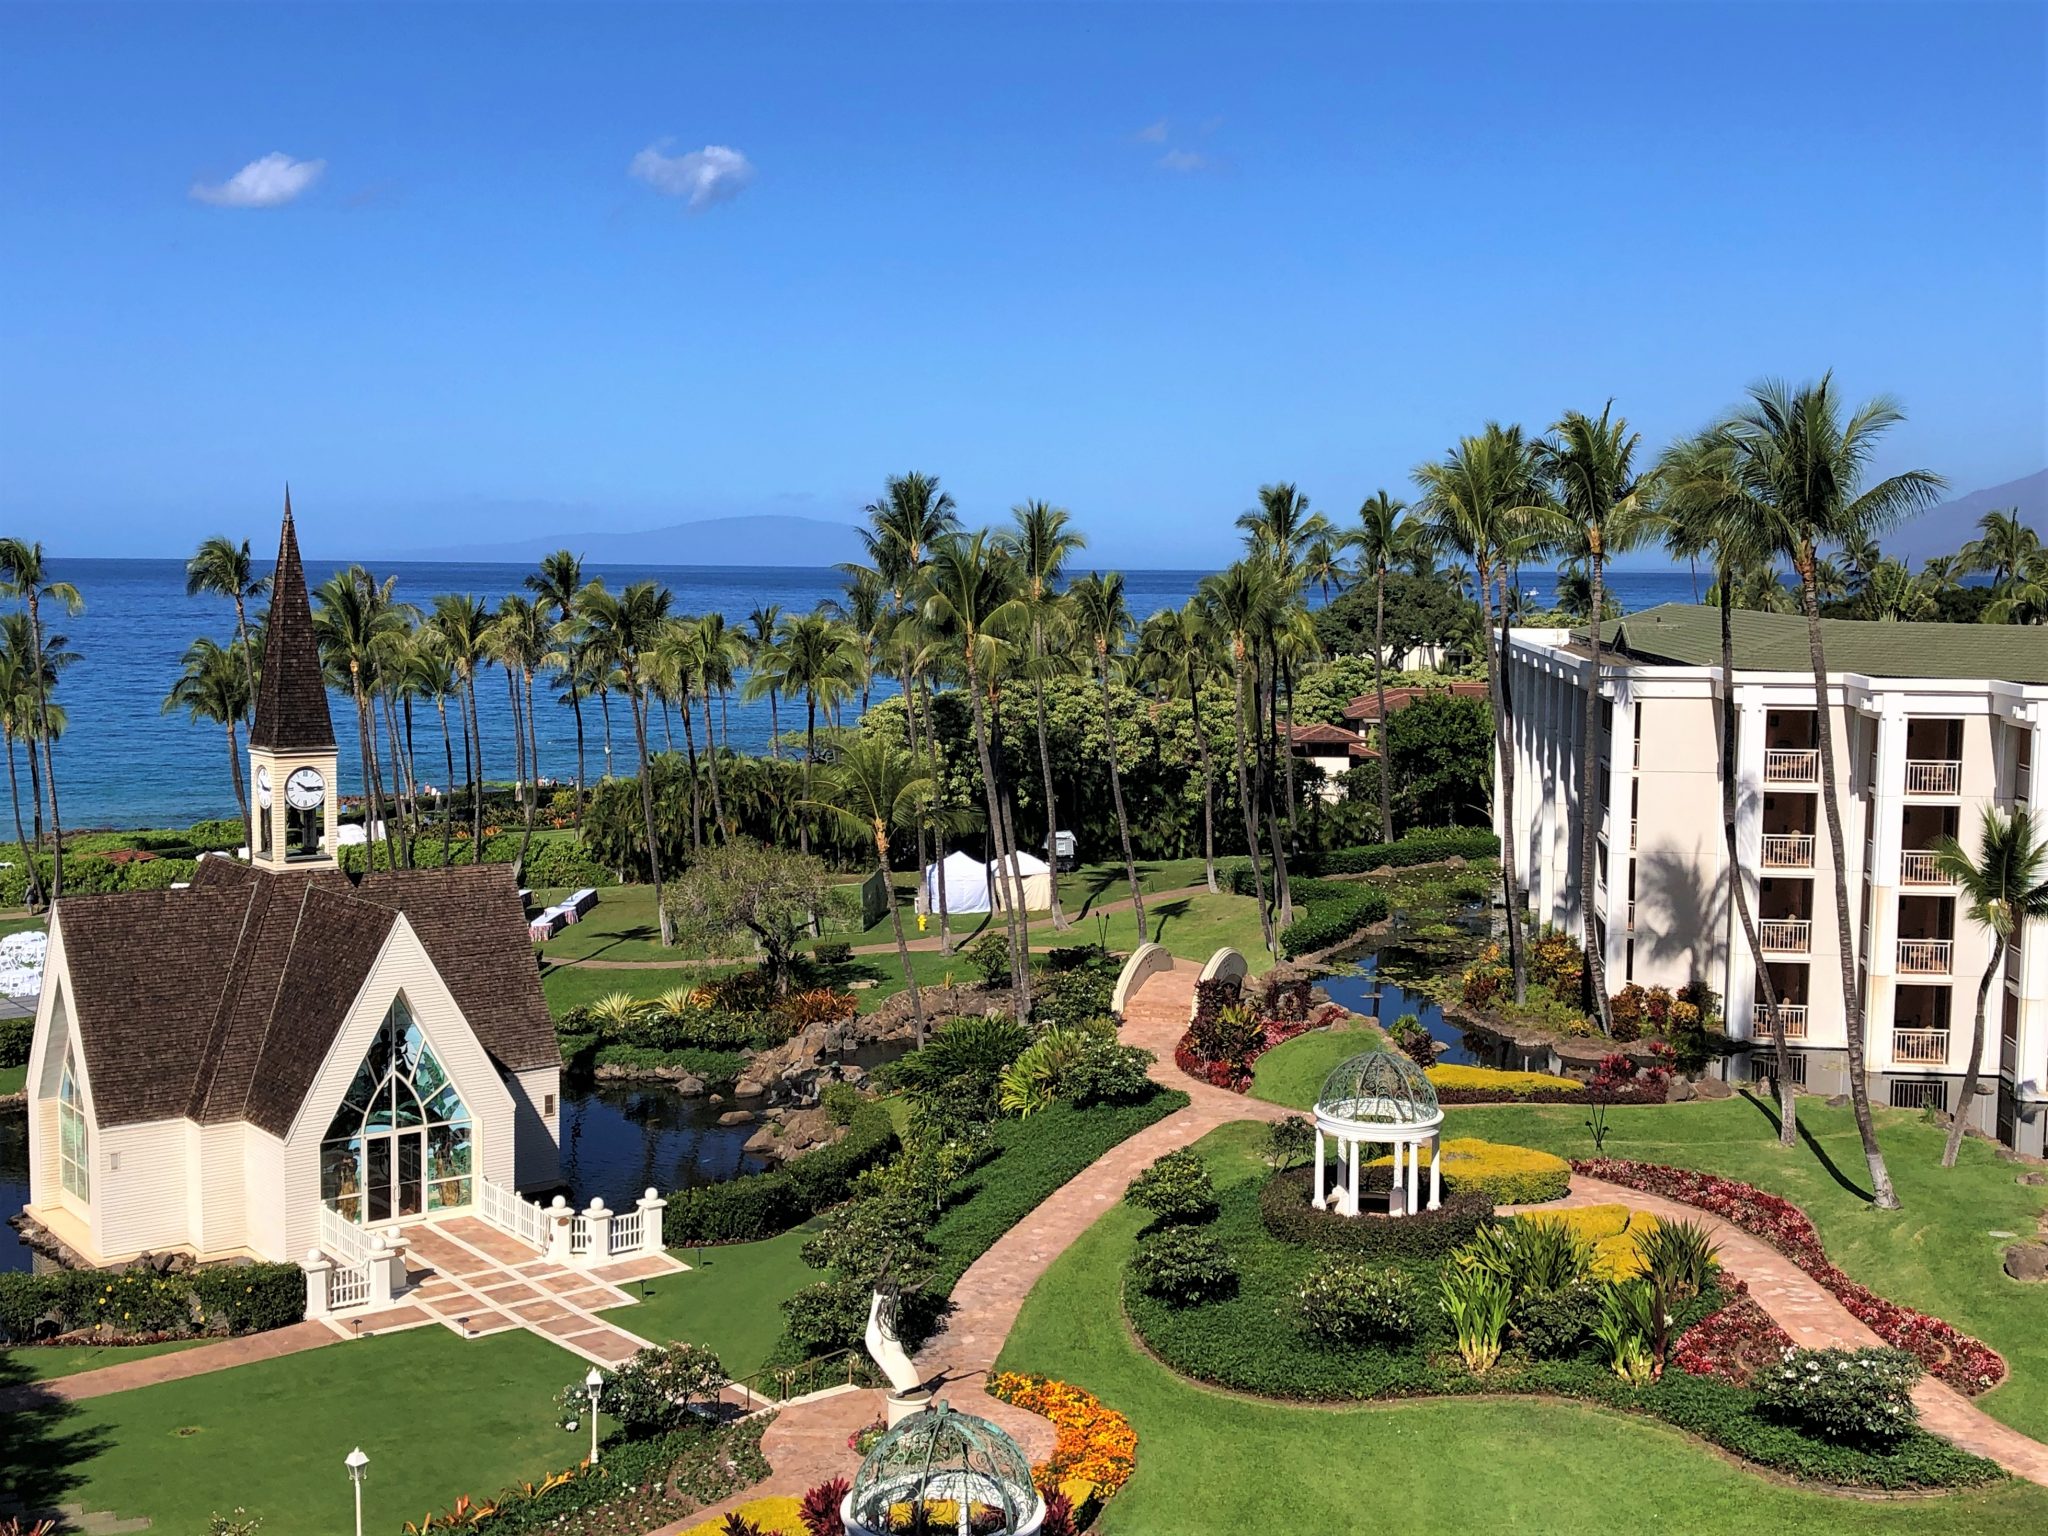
(1378, 1087)
(940, 1456)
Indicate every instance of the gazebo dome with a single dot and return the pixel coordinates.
(940, 1456)
(1378, 1087)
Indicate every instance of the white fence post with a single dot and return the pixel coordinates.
(600, 1220)
(381, 1289)
(651, 1207)
(559, 1219)
(317, 1268)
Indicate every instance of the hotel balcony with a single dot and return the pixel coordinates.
(1788, 850)
(1791, 1017)
(1926, 936)
(1791, 766)
(1920, 1032)
(1785, 935)
(1937, 777)
(1917, 866)
(1925, 957)
(1920, 1047)
(1922, 827)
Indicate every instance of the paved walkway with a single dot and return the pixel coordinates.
(200, 1360)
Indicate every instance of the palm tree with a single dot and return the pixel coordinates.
(1801, 467)
(1706, 514)
(1892, 594)
(1603, 510)
(462, 625)
(1382, 538)
(623, 632)
(1282, 530)
(816, 658)
(354, 621)
(674, 669)
(2024, 598)
(18, 723)
(1474, 502)
(872, 788)
(1103, 621)
(1043, 540)
(2002, 546)
(1177, 650)
(557, 582)
(224, 568)
(429, 674)
(2003, 889)
(722, 654)
(24, 576)
(524, 635)
(1238, 603)
(214, 687)
(762, 624)
(972, 602)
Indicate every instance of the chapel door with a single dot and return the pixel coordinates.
(409, 1178)
(377, 1150)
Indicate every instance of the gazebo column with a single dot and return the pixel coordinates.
(1436, 1186)
(1319, 1167)
(1414, 1174)
(1394, 1179)
(1354, 1179)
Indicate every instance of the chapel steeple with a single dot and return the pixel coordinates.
(291, 742)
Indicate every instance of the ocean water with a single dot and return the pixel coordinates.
(123, 762)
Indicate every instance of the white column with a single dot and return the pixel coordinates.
(600, 1221)
(2031, 1069)
(1621, 748)
(1879, 945)
(1436, 1186)
(559, 1216)
(380, 1266)
(1353, 1211)
(1414, 1176)
(1320, 1194)
(1740, 992)
(651, 1207)
(317, 1267)
(1550, 835)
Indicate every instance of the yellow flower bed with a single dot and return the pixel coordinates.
(1095, 1449)
(776, 1516)
(1507, 1175)
(1611, 1229)
(1508, 1084)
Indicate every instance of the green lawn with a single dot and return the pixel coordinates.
(50, 1361)
(19, 923)
(1211, 1464)
(1293, 1073)
(732, 1303)
(13, 1080)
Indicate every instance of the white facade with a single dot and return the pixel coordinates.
(1913, 759)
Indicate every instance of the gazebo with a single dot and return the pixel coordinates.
(940, 1457)
(1379, 1096)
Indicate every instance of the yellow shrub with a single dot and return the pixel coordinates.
(1506, 1175)
(1508, 1084)
(1611, 1229)
(775, 1516)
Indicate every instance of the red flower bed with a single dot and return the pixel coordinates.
(1949, 1354)
(1735, 1343)
(1236, 1073)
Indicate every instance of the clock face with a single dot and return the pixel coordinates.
(263, 787)
(305, 790)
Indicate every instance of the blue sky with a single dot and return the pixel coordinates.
(1135, 260)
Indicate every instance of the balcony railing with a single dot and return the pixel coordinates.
(1785, 935)
(1791, 1018)
(1791, 765)
(1917, 866)
(1788, 850)
(1925, 957)
(1934, 776)
(1922, 1047)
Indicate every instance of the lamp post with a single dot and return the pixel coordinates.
(592, 1384)
(357, 1463)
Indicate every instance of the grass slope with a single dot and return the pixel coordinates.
(732, 1303)
(1211, 1464)
(1293, 1073)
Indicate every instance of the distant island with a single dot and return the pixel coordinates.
(757, 539)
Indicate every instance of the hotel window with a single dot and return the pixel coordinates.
(74, 1140)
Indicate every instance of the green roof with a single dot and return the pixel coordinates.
(1688, 635)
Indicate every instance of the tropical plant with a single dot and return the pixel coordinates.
(1383, 539)
(744, 891)
(1033, 1080)
(356, 622)
(1631, 1318)
(1346, 1300)
(25, 576)
(1103, 620)
(1854, 1395)
(1679, 1258)
(1175, 1188)
(1043, 540)
(224, 568)
(622, 631)
(1475, 1299)
(557, 583)
(214, 686)
(1183, 1265)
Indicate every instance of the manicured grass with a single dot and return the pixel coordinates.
(51, 1361)
(576, 986)
(1211, 1464)
(438, 1416)
(13, 1080)
(732, 1304)
(1936, 1254)
(1293, 1073)
(20, 924)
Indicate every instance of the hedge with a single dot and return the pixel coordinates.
(1428, 845)
(1284, 1208)
(16, 1036)
(1488, 1085)
(757, 1205)
(140, 1304)
(1331, 921)
(95, 874)
(1506, 1175)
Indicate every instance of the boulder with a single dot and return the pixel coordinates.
(1681, 1090)
(716, 1098)
(690, 1087)
(765, 1143)
(737, 1117)
(2027, 1261)
(1709, 1088)
(1837, 1101)
(2034, 1178)
(747, 1088)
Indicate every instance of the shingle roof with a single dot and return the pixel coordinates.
(1367, 705)
(220, 1002)
(291, 695)
(1686, 634)
(1321, 735)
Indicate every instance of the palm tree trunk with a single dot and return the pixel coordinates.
(1244, 801)
(910, 737)
(690, 741)
(1208, 788)
(1504, 778)
(1959, 1121)
(35, 629)
(35, 800)
(476, 783)
(803, 827)
(448, 794)
(1883, 1196)
(1285, 671)
(1052, 809)
(604, 709)
(1379, 678)
(533, 781)
(647, 818)
(711, 756)
(1589, 819)
(234, 775)
(248, 658)
(774, 727)
(1116, 792)
(407, 803)
(576, 709)
(1020, 996)
(373, 805)
(1788, 1115)
(33, 891)
(902, 944)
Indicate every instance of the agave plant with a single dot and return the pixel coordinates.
(672, 1004)
(617, 1010)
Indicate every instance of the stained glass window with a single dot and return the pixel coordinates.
(401, 1142)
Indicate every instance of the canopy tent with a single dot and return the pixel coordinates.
(973, 886)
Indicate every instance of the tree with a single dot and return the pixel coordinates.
(748, 890)
(2003, 547)
(816, 658)
(214, 687)
(1801, 465)
(1440, 747)
(24, 576)
(1381, 538)
(1282, 530)
(462, 626)
(1177, 651)
(2003, 889)
(1602, 510)
(556, 584)
(1420, 611)
(1103, 621)
(623, 629)
(18, 724)
(1043, 540)
(762, 624)
(524, 636)
(1237, 603)
(224, 568)
(354, 621)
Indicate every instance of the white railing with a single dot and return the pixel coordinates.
(1933, 776)
(508, 1213)
(1785, 935)
(1917, 866)
(1791, 1018)
(1788, 850)
(1920, 1046)
(341, 1239)
(348, 1285)
(1925, 957)
(626, 1233)
(579, 1234)
(1791, 765)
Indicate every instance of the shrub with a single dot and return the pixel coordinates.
(1553, 1325)
(652, 1392)
(1176, 1188)
(1486, 1085)
(1327, 923)
(1347, 1301)
(1077, 985)
(1234, 1035)
(142, 1305)
(1737, 1344)
(832, 952)
(1031, 1082)
(1678, 1257)
(1505, 1175)
(1476, 1302)
(841, 1102)
(1629, 1325)
(250, 1298)
(990, 957)
(819, 1511)
(1095, 1444)
(1413, 1041)
(1426, 845)
(16, 1036)
(819, 1005)
(1858, 1396)
(1183, 1266)
(762, 1204)
(558, 863)
(1284, 1208)
(1290, 1140)
(1613, 1231)
(1105, 1073)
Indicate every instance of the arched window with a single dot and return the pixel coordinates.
(74, 1137)
(400, 1143)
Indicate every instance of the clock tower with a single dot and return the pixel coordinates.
(292, 794)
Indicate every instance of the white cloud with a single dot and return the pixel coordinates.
(713, 174)
(270, 182)
(1152, 133)
(1185, 160)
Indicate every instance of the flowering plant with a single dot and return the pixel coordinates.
(1093, 1443)
(1735, 1344)
(1843, 1394)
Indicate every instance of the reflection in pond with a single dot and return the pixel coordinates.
(14, 1254)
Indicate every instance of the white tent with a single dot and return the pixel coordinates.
(972, 886)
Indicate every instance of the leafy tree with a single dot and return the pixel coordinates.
(1440, 747)
(1420, 612)
(747, 890)
(622, 631)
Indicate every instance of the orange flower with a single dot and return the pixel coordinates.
(1092, 1443)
